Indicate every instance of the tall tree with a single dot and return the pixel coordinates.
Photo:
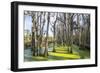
(79, 28)
(33, 34)
(41, 31)
(70, 17)
(46, 39)
(54, 33)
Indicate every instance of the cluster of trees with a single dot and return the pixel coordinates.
(67, 29)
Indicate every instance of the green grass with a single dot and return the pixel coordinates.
(39, 58)
(72, 56)
(62, 54)
(61, 49)
(56, 56)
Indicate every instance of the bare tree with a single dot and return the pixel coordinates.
(46, 39)
(41, 31)
(33, 34)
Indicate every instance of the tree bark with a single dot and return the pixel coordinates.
(46, 39)
(54, 35)
(33, 36)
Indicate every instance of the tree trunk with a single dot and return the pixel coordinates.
(41, 35)
(70, 33)
(33, 36)
(79, 29)
(46, 39)
(54, 36)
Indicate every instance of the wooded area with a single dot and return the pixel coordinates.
(62, 32)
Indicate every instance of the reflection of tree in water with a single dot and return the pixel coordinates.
(59, 31)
